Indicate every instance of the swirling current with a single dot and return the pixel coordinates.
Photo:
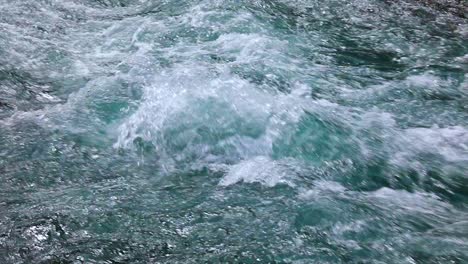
(233, 131)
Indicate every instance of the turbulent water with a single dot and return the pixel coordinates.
(194, 131)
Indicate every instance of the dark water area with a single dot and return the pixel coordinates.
(207, 131)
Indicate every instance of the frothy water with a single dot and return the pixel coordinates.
(232, 131)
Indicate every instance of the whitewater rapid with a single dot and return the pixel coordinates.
(174, 131)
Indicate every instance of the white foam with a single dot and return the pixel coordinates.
(248, 48)
(449, 142)
(259, 169)
(423, 81)
(403, 201)
(322, 188)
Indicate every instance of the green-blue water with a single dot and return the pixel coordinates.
(209, 131)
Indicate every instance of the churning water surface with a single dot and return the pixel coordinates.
(193, 131)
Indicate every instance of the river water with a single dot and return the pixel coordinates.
(206, 131)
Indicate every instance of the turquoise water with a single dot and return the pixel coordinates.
(205, 131)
